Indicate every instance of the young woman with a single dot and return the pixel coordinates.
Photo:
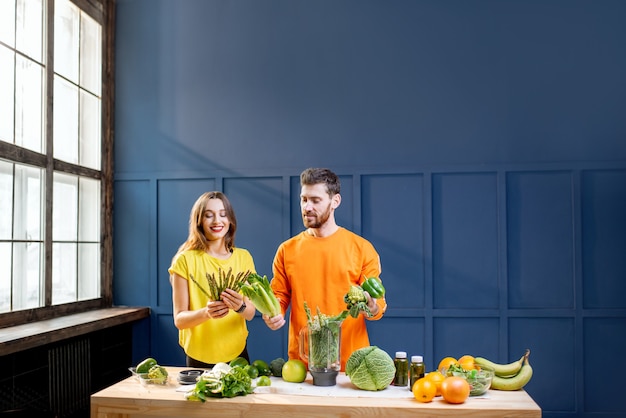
(210, 331)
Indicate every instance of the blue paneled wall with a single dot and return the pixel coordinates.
(481, 146)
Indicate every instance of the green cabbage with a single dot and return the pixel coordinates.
(370, 368)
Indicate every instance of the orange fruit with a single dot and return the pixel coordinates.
(424, 389)
(445, 363)
(467, 362)
(436, 377)
(455, 389)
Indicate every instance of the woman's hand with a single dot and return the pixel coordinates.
(216, 309)
(232, 299)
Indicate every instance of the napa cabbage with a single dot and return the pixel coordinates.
(370, 368)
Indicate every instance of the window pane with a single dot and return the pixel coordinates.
(7, 22)
(28, 202)
(65, 121)
(27, 275)
(74, 271)
(65, 208)
(28, 104)
(90, 129)
(66, 25)
(89, 210)
(29, 28)
(88, 271)
(7, 69)
(5, 276)
(63, 273)
(90, 54)
(6, 203)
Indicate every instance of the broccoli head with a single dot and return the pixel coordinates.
(158, 374)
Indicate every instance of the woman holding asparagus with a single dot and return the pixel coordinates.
(206, 272)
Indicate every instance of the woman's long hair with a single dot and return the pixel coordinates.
(196, 239)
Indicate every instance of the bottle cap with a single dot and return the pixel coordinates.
(417, 359)
(400, 354)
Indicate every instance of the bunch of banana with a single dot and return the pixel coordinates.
(511, 376)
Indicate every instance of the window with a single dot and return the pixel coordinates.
(55, 170)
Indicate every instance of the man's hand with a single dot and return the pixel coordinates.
(371, 304)
(274, 322)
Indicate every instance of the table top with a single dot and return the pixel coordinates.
(282, 399)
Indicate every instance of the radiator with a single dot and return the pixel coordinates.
(70, 378)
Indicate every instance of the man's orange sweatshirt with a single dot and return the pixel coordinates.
(320, 271)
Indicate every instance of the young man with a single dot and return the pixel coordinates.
(319, 265)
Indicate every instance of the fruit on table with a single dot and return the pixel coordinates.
(424, 390)
(252, 371)
(436, 377)
(370, 368)
(455, 389)
(262, 366)
(239, 361)
(445, 363)
(294, 371)
(479, 378)
(264, 381)
(467, 362)
(510, 376)
(503, 370)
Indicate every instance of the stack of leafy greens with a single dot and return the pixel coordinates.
(258, 290)
(222, 381)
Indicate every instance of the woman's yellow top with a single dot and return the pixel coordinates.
(215, 340)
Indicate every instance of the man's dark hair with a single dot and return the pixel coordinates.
(312, 176)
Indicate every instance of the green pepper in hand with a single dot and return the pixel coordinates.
(374, 287)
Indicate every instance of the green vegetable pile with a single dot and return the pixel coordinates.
(222, 381)
(370, 368)
(150, 372)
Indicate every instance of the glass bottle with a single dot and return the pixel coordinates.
(416, 370)
(402, 369)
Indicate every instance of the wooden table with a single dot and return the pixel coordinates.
(129, 399)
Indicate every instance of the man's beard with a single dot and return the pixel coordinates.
(319, 219)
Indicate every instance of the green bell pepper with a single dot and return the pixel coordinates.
(374, 287)
(146, 365)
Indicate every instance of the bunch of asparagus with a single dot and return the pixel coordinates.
(223, 281)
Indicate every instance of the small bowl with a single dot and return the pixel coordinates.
(189, 377)
(136, 375)
(478, 379)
